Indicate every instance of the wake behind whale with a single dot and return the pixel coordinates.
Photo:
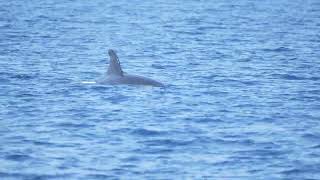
(115, 75)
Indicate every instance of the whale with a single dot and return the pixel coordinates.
(116, 76)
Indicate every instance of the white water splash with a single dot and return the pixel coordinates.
(88, 82)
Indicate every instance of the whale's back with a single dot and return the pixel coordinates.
(115, 74)
(140, 80)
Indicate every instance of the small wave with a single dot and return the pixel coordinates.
(100, 176)
(117, 98)
(316, 146)
(303, 170)
(207, 120)
(288, 77)
(74, 125)
(154, 150)
(279, 49)
(311, 137)
(43, 143)
(157, 66)
(168, 142)
(146, 132)
(291, 77)
(33, 176)
(24, 76)
(18, 157)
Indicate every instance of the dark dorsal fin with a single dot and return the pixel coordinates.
(114, 68)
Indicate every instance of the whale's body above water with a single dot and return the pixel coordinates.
(116, 76)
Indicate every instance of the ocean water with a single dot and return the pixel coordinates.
(242, 95)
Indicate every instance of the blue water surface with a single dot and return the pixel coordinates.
(242, 95)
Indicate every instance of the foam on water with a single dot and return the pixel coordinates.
(88, 82)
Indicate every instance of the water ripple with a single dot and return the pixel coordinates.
(241, 101)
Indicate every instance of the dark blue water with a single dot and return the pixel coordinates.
(242, 96)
